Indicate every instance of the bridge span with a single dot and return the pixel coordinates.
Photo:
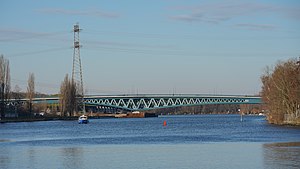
(150, 101)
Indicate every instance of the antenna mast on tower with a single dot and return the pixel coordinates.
(77, 70)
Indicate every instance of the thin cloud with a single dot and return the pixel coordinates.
(256, 26)
(187, 17)
(200, 17)
(18, 34)
(293, 13)
(220, 12)
(95, 12)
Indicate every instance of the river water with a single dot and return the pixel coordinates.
(189, 141)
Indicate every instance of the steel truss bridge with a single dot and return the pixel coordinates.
(148, 102)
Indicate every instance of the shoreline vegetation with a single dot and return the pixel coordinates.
(281, 92)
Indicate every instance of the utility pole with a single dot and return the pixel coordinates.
(77, 69)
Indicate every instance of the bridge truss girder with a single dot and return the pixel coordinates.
(147, 103)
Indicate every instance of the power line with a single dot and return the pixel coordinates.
(31, 35)
(183, 53)
(183, 36)
(38, 52)
(37, 83)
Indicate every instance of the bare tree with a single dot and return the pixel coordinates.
(16, 94)
(4, 84)
(63, 95)
(281, 91)
(68, 97)
(30, 92)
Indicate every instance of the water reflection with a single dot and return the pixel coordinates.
(32, 155)
(72, 157)
(4, 157)
(282, 155)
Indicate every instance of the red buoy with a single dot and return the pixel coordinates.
(165, 123)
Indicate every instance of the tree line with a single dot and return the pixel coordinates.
(6, 94)
(67, 96)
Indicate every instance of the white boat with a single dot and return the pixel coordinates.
(83, 119)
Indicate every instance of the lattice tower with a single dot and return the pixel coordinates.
(77, 69)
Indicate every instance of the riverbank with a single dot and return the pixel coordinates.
(286, 120)
(33, 119)
(293, 123)
(73, 118)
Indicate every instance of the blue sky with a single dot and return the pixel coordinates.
(158, 46)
